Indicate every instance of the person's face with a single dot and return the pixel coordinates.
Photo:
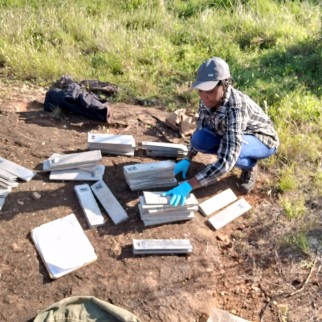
(213, 97)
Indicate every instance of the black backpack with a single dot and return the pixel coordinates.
(70, 96)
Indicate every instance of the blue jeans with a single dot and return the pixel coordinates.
(252, 149)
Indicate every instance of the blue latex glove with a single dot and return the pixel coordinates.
(179, 194)
(182, 166)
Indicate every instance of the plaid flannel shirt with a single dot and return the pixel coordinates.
(237, 115)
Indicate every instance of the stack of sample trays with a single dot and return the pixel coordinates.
(161, 246)
(150, 175)
(115, 144)
(160, 149)
(10, 172)
(156, 210)
(75, 166)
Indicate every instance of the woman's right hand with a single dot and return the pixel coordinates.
(182, 167)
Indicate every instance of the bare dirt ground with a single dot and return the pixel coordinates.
(238, 268)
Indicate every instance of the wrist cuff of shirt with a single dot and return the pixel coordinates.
(190, 155)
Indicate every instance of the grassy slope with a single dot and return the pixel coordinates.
(152, 48)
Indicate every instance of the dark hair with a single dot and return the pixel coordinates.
(225, 83)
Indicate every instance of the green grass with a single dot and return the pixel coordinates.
(293, 206)
(152, 49)
(299, 240)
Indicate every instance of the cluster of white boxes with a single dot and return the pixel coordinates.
(122, 144)
(111, 205)
(10, 172)
(231, 208)
(151, 175)
(161, 246)
(111, 143)
(154, 209)
(166, 150)
(81, 166)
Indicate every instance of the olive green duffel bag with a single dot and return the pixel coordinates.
(84, 309)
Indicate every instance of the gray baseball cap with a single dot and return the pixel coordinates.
(210, 73)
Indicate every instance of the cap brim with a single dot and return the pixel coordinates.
(204, 86)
